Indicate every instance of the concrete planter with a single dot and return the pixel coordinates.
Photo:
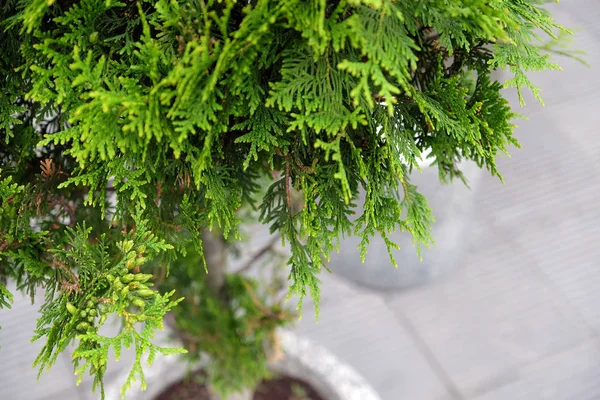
(304, 360)
(314, 364)
(450, 204)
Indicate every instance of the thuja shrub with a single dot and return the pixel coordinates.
(135, 135)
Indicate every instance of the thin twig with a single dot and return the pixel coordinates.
(288, 190)
(280, 315)
(66, 207)
(56, 263)
(259, 254)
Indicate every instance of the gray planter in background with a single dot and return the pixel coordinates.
(450, 203)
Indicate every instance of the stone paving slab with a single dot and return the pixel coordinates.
(567, 253)
(571, 375)
(494, 314)
(358, 328)
(578, 118)
(542, 187)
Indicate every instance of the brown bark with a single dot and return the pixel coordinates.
(215, 254)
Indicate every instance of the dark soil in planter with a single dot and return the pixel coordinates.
(285, 388)
(281, 388)
(189, 388)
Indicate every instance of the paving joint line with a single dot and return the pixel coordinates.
(424, 349)
(504, 378)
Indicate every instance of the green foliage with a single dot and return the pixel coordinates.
(6, 297)
(129, 128)
(104, 285)
(233, 330)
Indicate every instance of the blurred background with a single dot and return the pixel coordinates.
(513, 313)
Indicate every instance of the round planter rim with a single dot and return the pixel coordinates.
(304, 359)
(333, 378)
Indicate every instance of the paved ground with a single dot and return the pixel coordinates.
(519, 316)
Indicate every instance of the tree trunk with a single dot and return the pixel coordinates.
(215, 254)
